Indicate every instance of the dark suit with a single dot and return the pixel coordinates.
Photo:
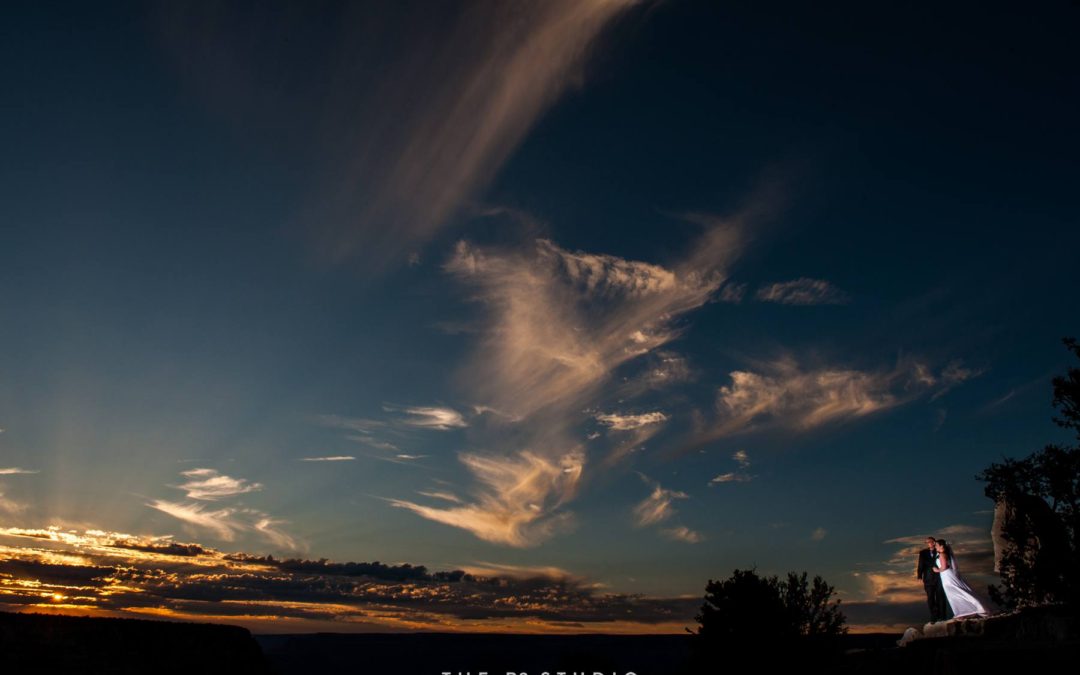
(935, 594)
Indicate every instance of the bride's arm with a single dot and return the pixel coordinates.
(943, 560)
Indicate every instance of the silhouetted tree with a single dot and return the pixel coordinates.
(1034, 569)
(809, 609)
(771, 620)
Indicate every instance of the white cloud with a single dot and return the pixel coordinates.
(437, 494)
(430, 417)
(270, 528)
(331, 458)
(209, 485)
(517, 503)
(228, 522)
(657, 507)
(731, 477)
(619, 422)
(558, 323)
(739, 476)
(783, 393)
(14, 470)
(661, 369)
(489, 569)
(221, 522)
(803, 291)
(562, 321)
(804, 399)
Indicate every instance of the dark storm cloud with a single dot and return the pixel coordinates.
(171, 548)
(50, 573)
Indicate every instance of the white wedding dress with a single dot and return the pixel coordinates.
(960, 596)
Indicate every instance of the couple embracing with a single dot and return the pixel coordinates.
(945, 590)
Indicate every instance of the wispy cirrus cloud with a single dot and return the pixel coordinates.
(733, 293)
(441, 494)
(730, 477)
(487, 72)
(561, 321)
(270, 529)
(631, 431)
(804, 399)
(803, 291)
(329, 458)
(228, 523)
(742, 458)
(223, 523)
(628, 422)
(402, 428)
(431, 417)
(658, 506)
(415, 108)
(558, 324)
(209, 485)
(782, 393)
(741, 475)
(660, 369)
(15, 471)
(516, 499)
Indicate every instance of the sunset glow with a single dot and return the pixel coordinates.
(519, 316)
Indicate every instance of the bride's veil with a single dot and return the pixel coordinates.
(952, 559)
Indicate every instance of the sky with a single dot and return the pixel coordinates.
(521, 316)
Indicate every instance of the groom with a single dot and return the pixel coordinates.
(935, 594)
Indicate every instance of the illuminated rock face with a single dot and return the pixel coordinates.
(1027, 530)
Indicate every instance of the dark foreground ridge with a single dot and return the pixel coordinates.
(497, 654)
(44, 643)
(37, 643)
(435, 653)
(1046, 639)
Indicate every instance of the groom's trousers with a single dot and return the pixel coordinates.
(935, 598)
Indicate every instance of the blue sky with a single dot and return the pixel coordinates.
(626, 294)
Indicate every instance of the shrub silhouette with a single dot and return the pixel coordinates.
(774, 621)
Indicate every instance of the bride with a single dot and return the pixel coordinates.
(960, 596)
